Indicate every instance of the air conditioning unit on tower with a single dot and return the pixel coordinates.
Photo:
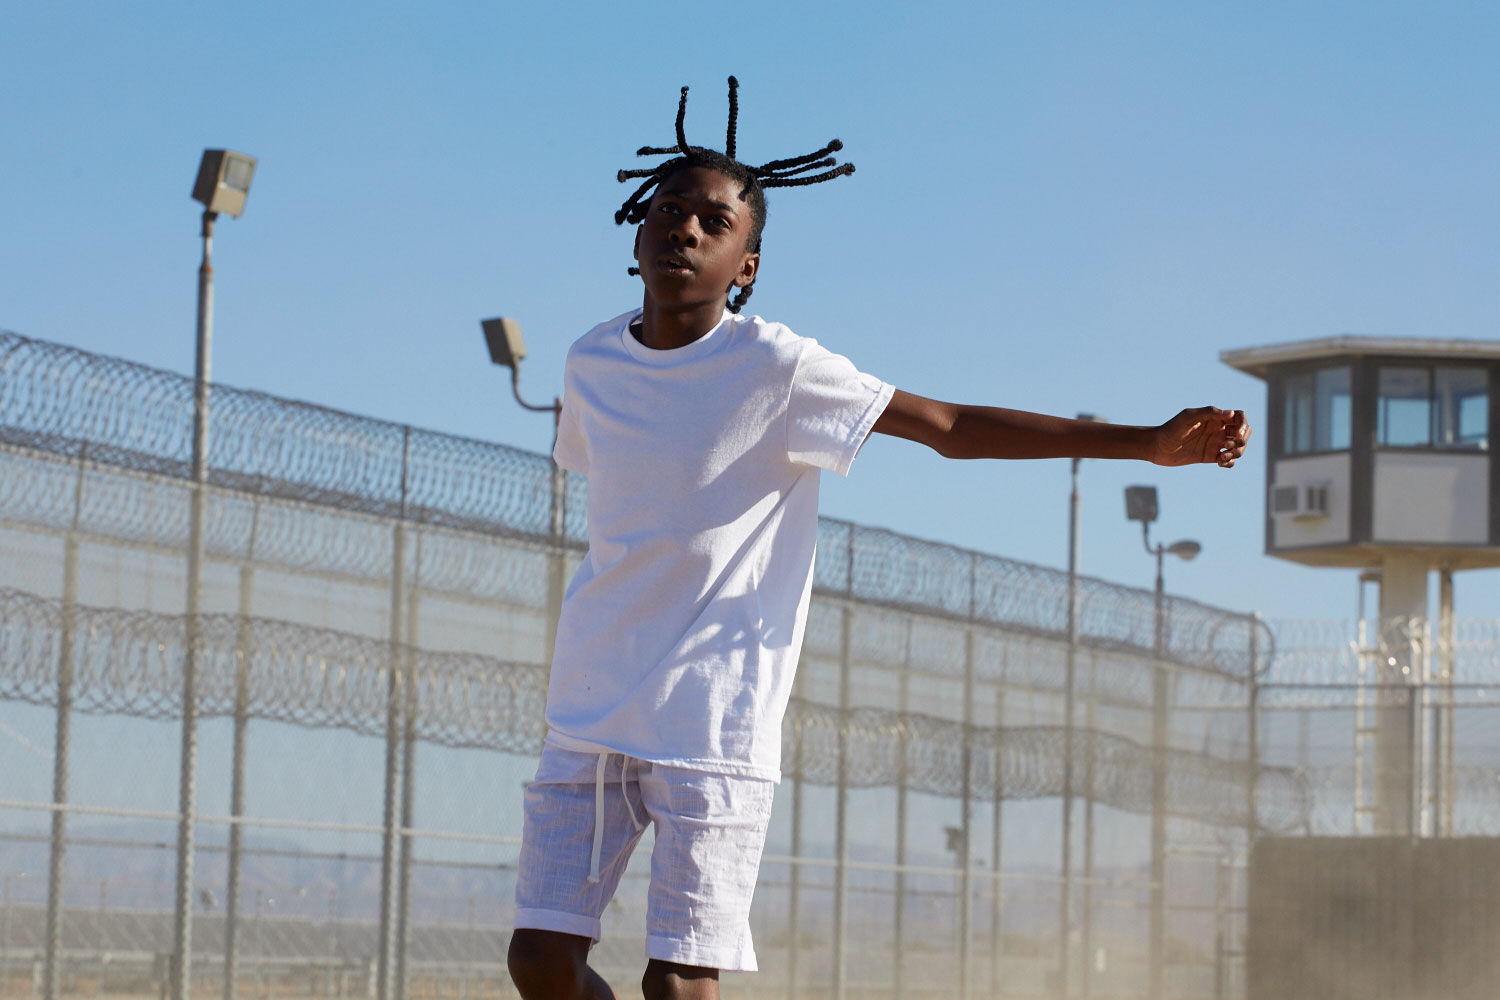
(1299, 500)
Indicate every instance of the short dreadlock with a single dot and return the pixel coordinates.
(794, 172)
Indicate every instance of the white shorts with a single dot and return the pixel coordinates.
(586, 812)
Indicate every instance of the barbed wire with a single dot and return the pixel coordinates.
(38, 490)
(52, 494)
(1329, 652)
(1330, 786)
(99, 411)
(131, 661)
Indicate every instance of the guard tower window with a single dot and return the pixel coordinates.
(1316, 411)
(1433, 406)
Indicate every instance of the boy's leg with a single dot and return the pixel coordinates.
(546, 965)
(549, 965)
(670, 981)
(560, 893)
(710, 832)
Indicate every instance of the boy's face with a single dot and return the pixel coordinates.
(691, 245)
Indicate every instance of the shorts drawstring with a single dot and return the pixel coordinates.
(639, 826)
(598, 818)
(599, 811)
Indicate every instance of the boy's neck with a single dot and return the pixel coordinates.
(664, 329)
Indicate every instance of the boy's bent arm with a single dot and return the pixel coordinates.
(1201, 435)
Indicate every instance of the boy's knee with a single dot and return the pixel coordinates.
(547, 963)
(670, 981)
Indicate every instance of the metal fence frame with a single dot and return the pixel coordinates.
(93, 452)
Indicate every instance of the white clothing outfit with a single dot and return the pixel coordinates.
(680, 633)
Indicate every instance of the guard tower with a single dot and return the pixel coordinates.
(1378, 457)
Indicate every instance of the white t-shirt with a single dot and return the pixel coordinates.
(680, 633)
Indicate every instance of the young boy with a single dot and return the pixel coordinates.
(701, 432)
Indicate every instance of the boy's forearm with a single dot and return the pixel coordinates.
(1199, 435)
(996, 432)
(961, 431)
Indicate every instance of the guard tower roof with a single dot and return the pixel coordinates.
(1257, 361)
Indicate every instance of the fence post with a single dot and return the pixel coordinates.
(1416, 728)
(1070, 687)
(898, 951)
(242, 654)
(1156, 938)
(1221, 928)
(966, 821)
(390, 842)
(408, 774)
(966, 816)
(841, 835)
(794, 890)
(62, 743)
(557, 524)
(1443, 747)
(997, 893)
(1086, 916)
(1253, 777)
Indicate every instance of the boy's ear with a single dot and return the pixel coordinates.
(635, 251)
(748, 269)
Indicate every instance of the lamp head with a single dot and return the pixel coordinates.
(503, 336)
(224, 181)
(1140, 504)
(1185, 549)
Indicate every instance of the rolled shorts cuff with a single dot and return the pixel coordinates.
(725, 959)
(530, 918)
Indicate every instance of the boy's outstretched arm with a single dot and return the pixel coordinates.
(1201, 435)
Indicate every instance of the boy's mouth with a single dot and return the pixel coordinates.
(674, 264)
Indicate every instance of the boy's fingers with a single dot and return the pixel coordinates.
(1236, 435)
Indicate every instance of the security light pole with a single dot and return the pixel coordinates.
(1065, 901)
(507, 347)
(1140, 505)
(222, 185)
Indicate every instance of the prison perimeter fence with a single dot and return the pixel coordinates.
(312, 787)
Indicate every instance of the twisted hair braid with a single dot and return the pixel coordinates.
(797, 171)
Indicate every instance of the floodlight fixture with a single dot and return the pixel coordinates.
(503, 337)
(1140, 504)
(224, 181)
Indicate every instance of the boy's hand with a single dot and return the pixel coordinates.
(1200, 435)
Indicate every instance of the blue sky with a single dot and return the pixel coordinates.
(1059, 207)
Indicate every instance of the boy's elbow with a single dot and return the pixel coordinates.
(955, 446)
(950, 449)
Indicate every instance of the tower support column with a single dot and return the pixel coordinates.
(1398, 674)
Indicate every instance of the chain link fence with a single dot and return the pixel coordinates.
(1331, 699)
(372, 654)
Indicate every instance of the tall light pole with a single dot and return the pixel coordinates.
(222, 185)
(1140, 505)
(507, 347)
(1065, 901)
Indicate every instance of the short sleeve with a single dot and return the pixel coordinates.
(831, 409)
(569, 452)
